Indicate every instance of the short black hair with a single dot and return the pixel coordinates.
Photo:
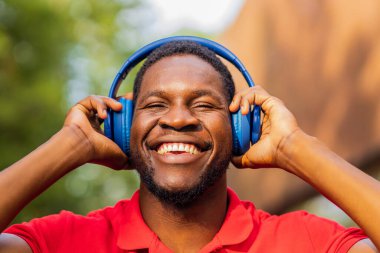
(182, 48)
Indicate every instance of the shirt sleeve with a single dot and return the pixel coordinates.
(44, 234)
(329, 236)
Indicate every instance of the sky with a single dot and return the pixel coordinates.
(206, 16)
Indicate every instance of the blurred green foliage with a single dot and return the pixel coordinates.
(53, 53)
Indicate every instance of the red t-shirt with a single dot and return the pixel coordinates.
(122, 229)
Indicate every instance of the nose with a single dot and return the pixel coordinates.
(179, 118)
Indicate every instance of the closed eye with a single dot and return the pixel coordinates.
(155, 105)
(204, 105)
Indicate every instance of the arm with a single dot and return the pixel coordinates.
(283, 144)
(78, 142)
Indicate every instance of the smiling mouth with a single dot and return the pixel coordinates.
(178, 148)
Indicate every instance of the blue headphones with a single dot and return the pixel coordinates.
(117, 126)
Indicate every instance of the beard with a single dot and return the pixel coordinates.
(180, 199)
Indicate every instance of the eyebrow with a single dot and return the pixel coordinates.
(201, 93)
(154, 93)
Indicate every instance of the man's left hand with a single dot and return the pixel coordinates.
(278, 124)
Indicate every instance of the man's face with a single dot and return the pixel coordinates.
(181, 135)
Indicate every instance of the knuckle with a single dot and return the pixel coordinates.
(276, 99)
(251, 91)
(70, 110)
(273, 102)
(94, 98)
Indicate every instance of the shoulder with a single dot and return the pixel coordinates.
(70, 229)
(299, 231)
(110, 212)
(65, 217)
(318, 233)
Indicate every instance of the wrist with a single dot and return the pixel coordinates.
(293, 152)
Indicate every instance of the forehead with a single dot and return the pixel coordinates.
(181, 74)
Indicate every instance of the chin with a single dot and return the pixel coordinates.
(179, 197)
(181, 194)
(177, 179)
(176, 185)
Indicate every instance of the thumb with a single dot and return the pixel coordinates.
(242, 161)
(260, 155)
(112, 157)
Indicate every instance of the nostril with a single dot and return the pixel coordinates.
(179, 118)
(181, 128)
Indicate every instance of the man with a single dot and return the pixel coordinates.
(181, 146)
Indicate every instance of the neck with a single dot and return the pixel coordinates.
(186, 229)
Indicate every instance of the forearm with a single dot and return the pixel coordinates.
(348, 187)
(26, 179)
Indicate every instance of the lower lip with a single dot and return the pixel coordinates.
(181, 158)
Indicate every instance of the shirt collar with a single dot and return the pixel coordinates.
(135, 234)
(238, 223)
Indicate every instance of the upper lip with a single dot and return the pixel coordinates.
(201, 144)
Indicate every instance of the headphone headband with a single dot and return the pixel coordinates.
(143, 52)
(245, 128)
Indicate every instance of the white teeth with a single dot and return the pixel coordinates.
(168, 147)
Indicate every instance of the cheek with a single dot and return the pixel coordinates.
(219, 126)
(141, 126)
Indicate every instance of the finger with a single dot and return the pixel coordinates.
(129, 95)
(99, 120)
(258, 96)
(244, 106)
(91, 104)
(112, 103)
(243, 161)
(99, 104)
(237, 161)
(252, 92)
(260, 155)
(235, 103)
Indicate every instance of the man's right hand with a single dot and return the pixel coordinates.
(81, 140)
(87, 116)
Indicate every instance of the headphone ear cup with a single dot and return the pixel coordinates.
(255, 124)
(108, 125)
(122, 121)
(241, 132)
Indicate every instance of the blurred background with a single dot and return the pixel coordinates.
(322, 58)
